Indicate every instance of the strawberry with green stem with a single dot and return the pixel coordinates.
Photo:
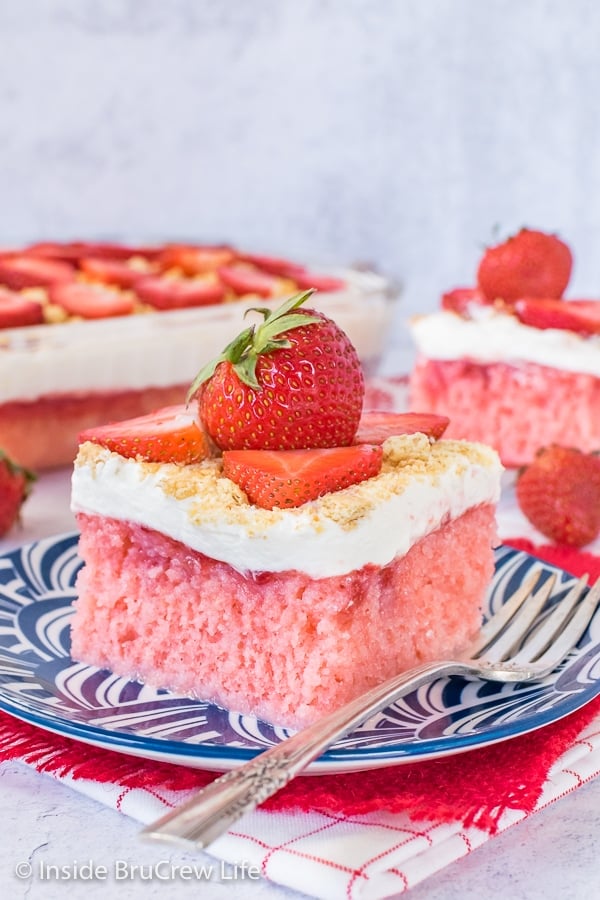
(15, 486)
(292, 382)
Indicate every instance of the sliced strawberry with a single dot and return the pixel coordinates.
(243, 280)
(26, 271)
(67, 252)
(376, 426)
(272, 264)
(111, 271)
(73, 251)
(582, 316)
(195, 260)
(167, 435)
(461, 299)
(16, 310)
(288, 478)
(307, 280)
(178, 293)
(90, 301)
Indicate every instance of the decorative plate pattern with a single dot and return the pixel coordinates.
(41, 684)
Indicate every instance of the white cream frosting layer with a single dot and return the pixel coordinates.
(167, 348)
(421, 486)
(492, 336)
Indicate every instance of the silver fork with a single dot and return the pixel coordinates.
(506, 649)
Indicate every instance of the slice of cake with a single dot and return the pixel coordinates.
(510, 362)
(98, 331)
(290, 552)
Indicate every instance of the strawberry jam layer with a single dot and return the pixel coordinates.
(515, 408)
(284, 647)
(42, 433)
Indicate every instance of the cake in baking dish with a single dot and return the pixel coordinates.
(278, 550)
(97, 331)
(509, 361)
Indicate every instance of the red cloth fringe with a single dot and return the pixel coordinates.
(474, 788)
(572, 560)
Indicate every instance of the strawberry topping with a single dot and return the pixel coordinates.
(167, 435)
(292, 382)
(289, 478)
(531, 263)
(243, 280)
(16, 310)
(195, 260)
(307, 280)
(26, 271)
(178, 293)
(90, 301)
(582, 316)
(111, 271)
(375, 426)
(460, 300)
(559, 492)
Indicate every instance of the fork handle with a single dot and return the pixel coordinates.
(211, 811)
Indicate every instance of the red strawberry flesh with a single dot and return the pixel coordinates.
(244, 280)
(377, 426)
(17, 311)
(24, 271)
(90, 301)
(290, 478)
(178, 293)
(167, 435)
(581, 316)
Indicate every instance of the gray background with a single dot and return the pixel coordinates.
(407, 134)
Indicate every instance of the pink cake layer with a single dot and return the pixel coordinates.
(516, 409)
(283, 647)
(42, 434)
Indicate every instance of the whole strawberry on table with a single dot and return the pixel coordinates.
(15, 486)
(559, 492)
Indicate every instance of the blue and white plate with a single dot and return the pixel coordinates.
(40, 683)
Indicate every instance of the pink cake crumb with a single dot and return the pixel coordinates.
(284, 647)
(516, 409)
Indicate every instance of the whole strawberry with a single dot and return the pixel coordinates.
(292, 382)
(559, 492)
(529, 264)
(15, 485)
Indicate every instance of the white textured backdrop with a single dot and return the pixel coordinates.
(401, 132)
